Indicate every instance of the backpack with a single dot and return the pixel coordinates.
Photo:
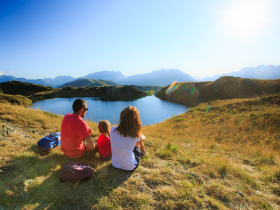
(74, 171)
(50, 142)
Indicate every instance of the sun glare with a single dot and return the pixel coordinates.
(246, 17)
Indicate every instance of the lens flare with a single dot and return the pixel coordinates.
(184, 92)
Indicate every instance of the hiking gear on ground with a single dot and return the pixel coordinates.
(50, 142)
(74, 171)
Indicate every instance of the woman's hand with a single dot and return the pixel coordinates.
(142, 137)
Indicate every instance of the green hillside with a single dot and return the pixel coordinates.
(191, 94)
(88, 83)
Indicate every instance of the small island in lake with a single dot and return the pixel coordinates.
(39, 92)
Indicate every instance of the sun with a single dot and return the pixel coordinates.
(245, 18)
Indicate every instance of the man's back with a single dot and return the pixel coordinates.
(73, 131)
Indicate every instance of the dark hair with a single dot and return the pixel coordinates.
(78, 104)
(104, 126)
(130, 123)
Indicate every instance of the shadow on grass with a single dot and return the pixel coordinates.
(33, 183)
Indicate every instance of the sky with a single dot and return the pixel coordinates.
(49, 38)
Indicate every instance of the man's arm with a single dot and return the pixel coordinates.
(90, 143)
(90, 130)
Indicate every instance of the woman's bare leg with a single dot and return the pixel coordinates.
(140, 145)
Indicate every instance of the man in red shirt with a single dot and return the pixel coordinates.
(75, 132)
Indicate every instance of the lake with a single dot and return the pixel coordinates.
(152, 109)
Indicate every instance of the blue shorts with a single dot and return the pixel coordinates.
(137, 155)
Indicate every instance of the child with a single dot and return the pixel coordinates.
(104, 143)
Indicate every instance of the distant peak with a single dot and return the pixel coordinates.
(167, 70)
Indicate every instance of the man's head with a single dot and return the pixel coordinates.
(80, 107)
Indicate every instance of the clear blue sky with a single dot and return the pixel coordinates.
(49, 38)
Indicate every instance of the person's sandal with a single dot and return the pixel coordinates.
(144, 152)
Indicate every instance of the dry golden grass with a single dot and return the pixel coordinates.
(15, 99)
(219, 155)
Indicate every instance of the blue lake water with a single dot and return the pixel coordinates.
(152, 109)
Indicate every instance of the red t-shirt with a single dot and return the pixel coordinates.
(104, 146)
(73, 131)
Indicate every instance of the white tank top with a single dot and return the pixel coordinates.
(122, 150)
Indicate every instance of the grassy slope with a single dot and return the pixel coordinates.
(220, 155)
(15, 99)
(191, 94)
(88, 83)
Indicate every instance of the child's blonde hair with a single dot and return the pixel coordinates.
(104, 126)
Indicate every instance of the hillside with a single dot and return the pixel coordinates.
(223, 155)
(23, 88)
(191, 94)
(15, 99)
(88, 83)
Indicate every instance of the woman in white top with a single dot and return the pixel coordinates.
(127, 140)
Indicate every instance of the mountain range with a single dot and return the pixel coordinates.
(114, 76)
(58, 81)
(259, 72)
(156, 78)
(159, 77)
(4, 78)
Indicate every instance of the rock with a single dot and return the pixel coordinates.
(3, 169)
(240, 193)
(7, 130)
(7, 127)
(205, 177)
